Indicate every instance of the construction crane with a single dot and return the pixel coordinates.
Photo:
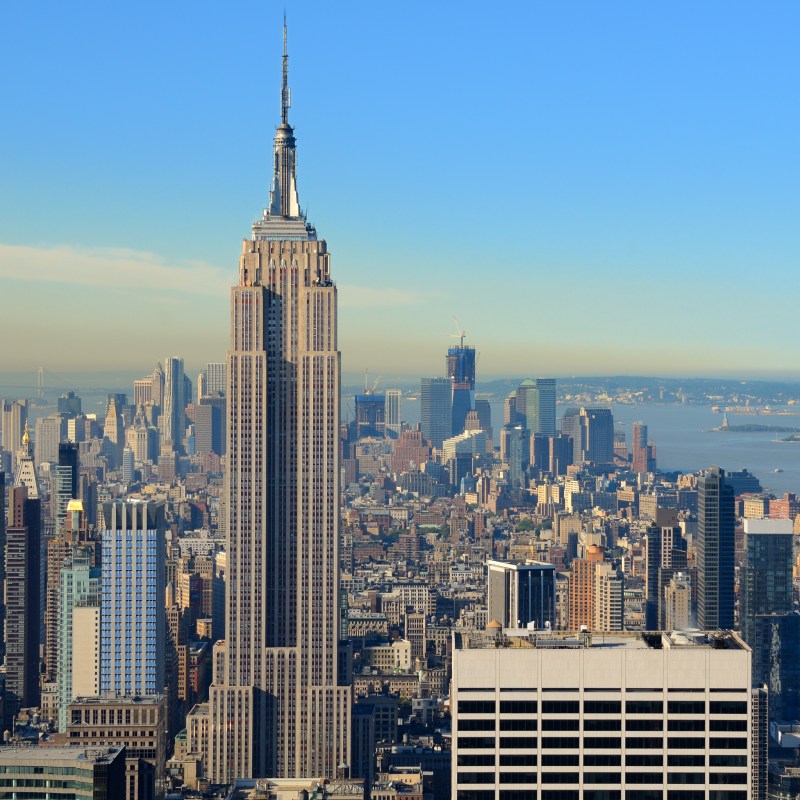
(460, 332)
(367, 388)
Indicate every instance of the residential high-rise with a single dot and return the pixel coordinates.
(172, 422)
(582, 588)
(609, 585)
(78, 630)
(277, 709)
(518, 453)
(64, 481)
(715, 550)
(678, 603)
(22, 601)
(665, 555)
(132, 635)
(522, 594)
(435, 410)
(128, 464)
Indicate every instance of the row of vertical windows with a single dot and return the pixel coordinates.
(604, 707)
(600, 794)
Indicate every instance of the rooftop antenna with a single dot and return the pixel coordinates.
(286, 92)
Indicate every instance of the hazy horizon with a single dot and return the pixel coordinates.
(123, 379)
(610, 191)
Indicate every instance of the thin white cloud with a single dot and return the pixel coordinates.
(119, 268)
(111, 268)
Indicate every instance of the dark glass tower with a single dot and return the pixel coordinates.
(461, 372)
(522, 594)
(22, 598)
(715, 551)
(766, 619)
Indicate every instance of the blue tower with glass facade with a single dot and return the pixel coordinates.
(461, 372)
(132, 619)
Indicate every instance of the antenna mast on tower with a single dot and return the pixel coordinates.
(286, 92)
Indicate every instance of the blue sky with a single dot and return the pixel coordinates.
(591, 188)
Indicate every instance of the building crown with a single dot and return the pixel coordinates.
(284, 219)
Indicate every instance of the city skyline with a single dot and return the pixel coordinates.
(668, 153)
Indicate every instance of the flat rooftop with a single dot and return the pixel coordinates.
(569, 640)
(120, 699)
(47, 754)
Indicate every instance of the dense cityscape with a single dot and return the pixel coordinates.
(256, 583)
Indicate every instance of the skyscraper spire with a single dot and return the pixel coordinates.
(286, 92)
(283, 219)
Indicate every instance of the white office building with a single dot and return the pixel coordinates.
(620, 716)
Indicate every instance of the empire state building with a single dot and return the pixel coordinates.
(276, 709)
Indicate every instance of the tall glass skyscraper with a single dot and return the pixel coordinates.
(536, 402)
(435, 409)
(132, 620)
(460, 367)
(276, 707)
(715, 551)
(766, 617)
(172, 422)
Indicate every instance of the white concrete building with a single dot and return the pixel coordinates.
(571, 717)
